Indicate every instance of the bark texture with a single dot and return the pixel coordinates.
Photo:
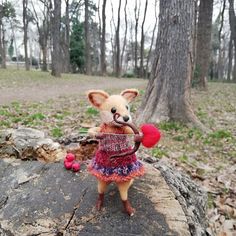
(25, 28)
(167, 95)
(55, 30)
(87, 39)
(232, 22)
(103, 39)
(203, 52)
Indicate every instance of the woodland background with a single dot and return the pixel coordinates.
(180, 54)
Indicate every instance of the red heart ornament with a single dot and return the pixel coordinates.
(151, 135)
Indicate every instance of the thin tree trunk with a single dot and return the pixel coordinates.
(87, 39)
(118, 42)
(195, 35)
(67, 39)
(137, 13)
(125, 37)
(152, 41)
(220, 59)
(56, 25)
(103, 39)
(2, 39)
(230, 56)
(167, 96)
(25, 27)
(14, 39)
(141, 72)
(113, 41)
(232, 22)
(2, 47)
(203, 43)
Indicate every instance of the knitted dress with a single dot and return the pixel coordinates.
(119, 169)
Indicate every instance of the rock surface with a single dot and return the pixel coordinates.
(46, 199)
(27, 143)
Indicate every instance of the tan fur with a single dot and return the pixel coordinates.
(104, 103)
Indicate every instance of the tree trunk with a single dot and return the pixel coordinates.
(220, 57)
(56, 25)
(203, 52)
(67, 39)
(43, 32)
(141, 72)
(87, 39)
(2, 39)
(25, 28)
(118, 42)
(232, 22)
(44, 66)
(125, 37)
(2, 47)
(167, 96)
(230, 56)
(136, 12)
(14, 39)
(152, 41)
(103, 39)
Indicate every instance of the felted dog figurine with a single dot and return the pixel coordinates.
(121, 170)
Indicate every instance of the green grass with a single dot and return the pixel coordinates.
(158, 152)
(92, 111)
(57, 132)
(169, 126)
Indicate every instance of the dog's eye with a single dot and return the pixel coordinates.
(113, 110)
(127, 107)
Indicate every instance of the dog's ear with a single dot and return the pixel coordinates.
(129, 94)
(97, 97)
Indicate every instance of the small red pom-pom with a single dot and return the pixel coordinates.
(67, 164)
(151, 135)
(70, 157)
(75, 166)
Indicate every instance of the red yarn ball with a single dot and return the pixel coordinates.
(75, 166)
(67, 164)
(151, 135)
(70, 157)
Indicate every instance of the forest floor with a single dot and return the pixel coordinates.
(59, 107)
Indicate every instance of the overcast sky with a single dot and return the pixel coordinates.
(149, 23)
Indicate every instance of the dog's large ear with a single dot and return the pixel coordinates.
(97, 97)
(129, 94)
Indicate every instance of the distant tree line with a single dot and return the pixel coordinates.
(75, 38)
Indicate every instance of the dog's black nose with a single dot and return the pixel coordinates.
(125, 118)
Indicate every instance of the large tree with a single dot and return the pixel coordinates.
(167, 96)
(203, 50)
(55, 31)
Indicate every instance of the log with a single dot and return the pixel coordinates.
(46, 199)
